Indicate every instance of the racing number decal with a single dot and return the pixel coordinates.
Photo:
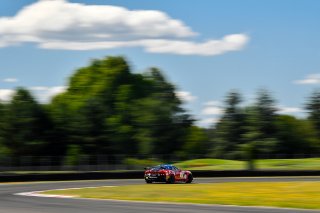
(182, 175)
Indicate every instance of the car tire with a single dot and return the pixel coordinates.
(148, 181)
(189, 179)
(171, 180)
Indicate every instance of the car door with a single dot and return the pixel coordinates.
(177, 173)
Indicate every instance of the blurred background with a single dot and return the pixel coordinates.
(109, 118)
(121, 85)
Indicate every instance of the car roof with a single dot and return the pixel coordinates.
(166, 165)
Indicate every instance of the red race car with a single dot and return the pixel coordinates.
(167, 174)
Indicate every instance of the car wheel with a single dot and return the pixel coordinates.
(148, 181)
(189, 179)
(171, 180)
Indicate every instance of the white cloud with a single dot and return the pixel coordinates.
(185, 96)
(206, 122)
(212, 108)
(44, 94)
(212, 103)
(6, 94)
(290, 110)
(10, 80)
(310, 79)
(74, 26)
(212, 47)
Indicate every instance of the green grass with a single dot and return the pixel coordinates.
(290, 164)
(211, 164)
(269, 164)
(281, 194)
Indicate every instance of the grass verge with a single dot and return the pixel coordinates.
(304, 195)
(266, 164)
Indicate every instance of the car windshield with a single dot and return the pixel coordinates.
(167, 167)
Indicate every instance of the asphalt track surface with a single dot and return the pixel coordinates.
(10, 203)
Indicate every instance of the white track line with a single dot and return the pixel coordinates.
(40, 193)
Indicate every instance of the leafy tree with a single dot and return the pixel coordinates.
(266, 113)
(109, 110)
(229, 130)
(4, 151)
(313, 107)
(162, 122)
(92, 127)
(24, 125)
(73, 155)
(81, 112)
(196, 142)
(295, 136)
(121, 124)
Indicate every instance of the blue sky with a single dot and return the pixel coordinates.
(206, 47)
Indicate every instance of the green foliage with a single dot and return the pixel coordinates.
(73, 155)
(24, 125)
(196, 142)
(296, 136)
(230, 128)
(260, 132)
(109, 110)
(313, 107)
(265, 112)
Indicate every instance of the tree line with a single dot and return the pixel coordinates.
(258, 130)
(109, 110)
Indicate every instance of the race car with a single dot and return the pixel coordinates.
(167, 174)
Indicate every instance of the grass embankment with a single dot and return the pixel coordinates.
(281, 194)
(212, 164)
(268, 164)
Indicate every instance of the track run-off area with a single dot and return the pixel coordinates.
(12, 201)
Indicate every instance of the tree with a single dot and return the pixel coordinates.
(254, 142)
(24, 125)
(229, 131)
(266, 113)
(313, 107)
(296, 136)
(196, 142)
(162, 123)
(109, 110)
(121, 123)
(82, 113)
(4, 151)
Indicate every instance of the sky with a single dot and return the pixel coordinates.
(206, 47)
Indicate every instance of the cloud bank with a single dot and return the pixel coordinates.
(310, 79)
(185, 96)
(6, 94)
(212, 108)
(295, 111)
(10, 80)
(42, 94)
(60, 24)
